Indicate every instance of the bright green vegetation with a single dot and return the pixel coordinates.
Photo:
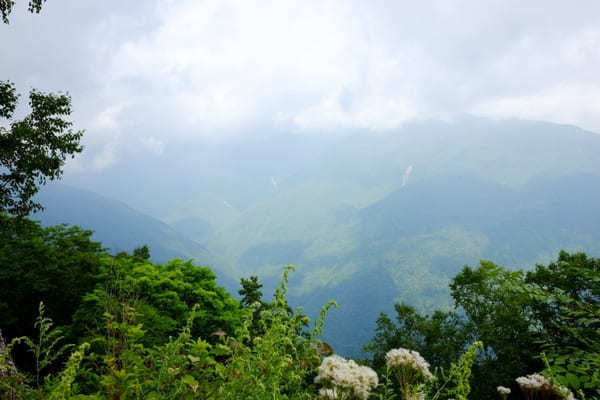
(551, 312)
(123, 327)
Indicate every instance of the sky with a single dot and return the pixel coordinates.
(147, 74)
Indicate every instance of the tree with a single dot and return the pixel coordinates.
(141, 253)
(440, 337)
(56, 265)
(250, 291)
(33, 150)
(503, 321)
(572, 275)
(6, 6)
(517, 315)
(163, 295)
(252, 295)
(566, 303)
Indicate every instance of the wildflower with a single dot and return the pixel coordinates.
(538, 384)
(345, 376)
(403, 358)
(410, 369)
(503, 390)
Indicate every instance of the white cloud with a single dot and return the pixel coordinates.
(155, 146)
(107, 119)
(105, 158)
(570, 104)
(216, 67)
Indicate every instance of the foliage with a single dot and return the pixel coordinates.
(156, 331)
(46, 349)
(6, 6)
(502, 320)
(12, 381)
(562, 293)
(457, 383)
(385, 390)
(142, 253)
(250, 291)
(164, 295)
(252, 297)
(63, 388)
(57, 265)
(34, 149)
(279, 364)
(440, 337)
(552, 309)
(578, 366)
(572, 352)
(564, 299)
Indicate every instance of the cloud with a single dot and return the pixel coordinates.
(167, 70)
(568, 104)
(155, 146)
(104, 158)
(107, 119)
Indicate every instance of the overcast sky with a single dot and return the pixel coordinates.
(147, 73)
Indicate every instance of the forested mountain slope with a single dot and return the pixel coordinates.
(118, 226)
(373, 218)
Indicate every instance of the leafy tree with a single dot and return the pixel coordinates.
(33, 150)
(280, 364)
(553, 309)
(565, 297)
(250, 291)
(573, 277)
(252, 297)
(440, 337)
(142, 253)
(56, 265)
(164, 295)
(6, 6)
(503, 321)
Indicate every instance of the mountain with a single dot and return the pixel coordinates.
(374, 218)
(118, 226)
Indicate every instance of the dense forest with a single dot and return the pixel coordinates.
(80, 323)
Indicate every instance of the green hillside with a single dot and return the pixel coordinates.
(513, 191)
(368, 218)
(118, 226)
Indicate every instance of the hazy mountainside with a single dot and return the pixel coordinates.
(116, 225)
(373, 218)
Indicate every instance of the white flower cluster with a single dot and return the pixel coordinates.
(539, 384)
(408, 358)
(534, 382)
(503, 390)
(345, 376)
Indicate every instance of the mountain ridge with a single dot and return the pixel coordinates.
(343, 211)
